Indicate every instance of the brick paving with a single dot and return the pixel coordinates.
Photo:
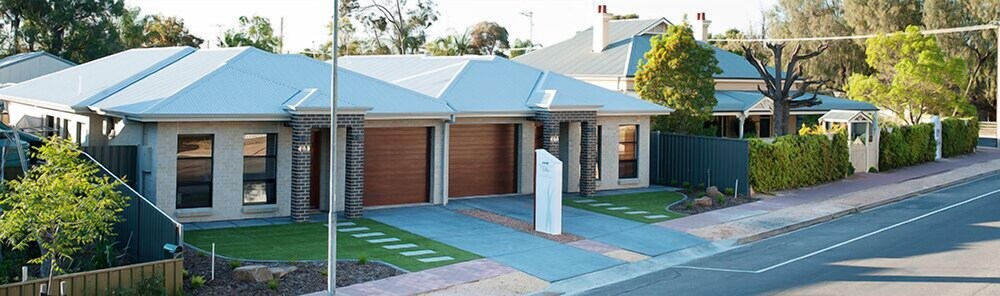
(429, 280)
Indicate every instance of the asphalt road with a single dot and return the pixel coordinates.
(945, 242)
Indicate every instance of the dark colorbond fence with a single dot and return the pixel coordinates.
(145, 229)
(675, 159)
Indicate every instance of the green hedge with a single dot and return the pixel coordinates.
(959, 136)
(902, 146)
(795, 161)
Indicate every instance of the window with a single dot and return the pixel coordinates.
(50, 126)
(194, 171)
(628, 153)
(599, 149)
(765, 127)
(259, 168)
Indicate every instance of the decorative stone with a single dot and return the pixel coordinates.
(703, 201)
(280, 271)
(253, 273)
(713, 192)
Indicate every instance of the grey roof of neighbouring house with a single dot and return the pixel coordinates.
(494, 85)
(182, 82)
(740, 101)
(21, 57)
(629, 42)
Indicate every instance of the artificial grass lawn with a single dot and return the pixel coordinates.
(307, 241)
(653, 202)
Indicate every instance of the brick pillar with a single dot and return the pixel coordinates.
(354, 173)
(550, 136)
(301, 158)
(588, 157)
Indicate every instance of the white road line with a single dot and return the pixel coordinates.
(793, 260)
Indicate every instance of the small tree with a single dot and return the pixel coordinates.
(912, 77)
(253, 31)
(678, 72)
(61, 206)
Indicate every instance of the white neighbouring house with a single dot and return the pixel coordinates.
(240, 133)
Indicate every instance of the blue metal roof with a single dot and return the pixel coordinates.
(17, 58)
(739, 101)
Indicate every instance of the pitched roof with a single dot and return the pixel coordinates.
(182, 82)
(740, 101)
(493, 85)
(630, 40)
(17, 58)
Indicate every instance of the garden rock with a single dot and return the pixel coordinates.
(252, 273)
(713, 192)
(704, 201)
(280, 271)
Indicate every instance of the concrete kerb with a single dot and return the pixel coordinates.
(861, 208)
(207, 253)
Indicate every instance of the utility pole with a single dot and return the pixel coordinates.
(331, 265)
(531, 24)
(996, 121)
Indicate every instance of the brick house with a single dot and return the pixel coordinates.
(240, 133)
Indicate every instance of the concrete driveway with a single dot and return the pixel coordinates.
(542, 258)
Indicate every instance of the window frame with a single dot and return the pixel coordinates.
(635, 162)
(211, 176)
(270, 156)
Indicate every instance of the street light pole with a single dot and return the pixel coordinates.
(531, 24)
(996, 121)
(331, 256)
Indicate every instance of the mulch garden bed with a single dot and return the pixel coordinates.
(519, 225)
(682, 206)
(310, 276)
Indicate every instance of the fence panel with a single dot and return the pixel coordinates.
(145, 229)
(122, 161)
(675, 159)
(103, 281)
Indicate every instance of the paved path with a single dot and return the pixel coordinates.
(642, 238)
(531, 254)
(853, 184)
(940, 243)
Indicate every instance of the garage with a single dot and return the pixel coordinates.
(482, 160)
(397, 166)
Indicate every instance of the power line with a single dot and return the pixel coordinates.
(925, 32)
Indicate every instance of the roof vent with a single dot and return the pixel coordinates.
(601, 28)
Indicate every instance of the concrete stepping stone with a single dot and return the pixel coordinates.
(383, 240)
(656, 217)
(353, 229)
(417, 253)
(339, 224)
(637, 212)
(435, 259)
(603, 204)
(584, 200)
(619, 208)
(400, 246)
(370, 234)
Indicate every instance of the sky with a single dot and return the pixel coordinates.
(554, 20)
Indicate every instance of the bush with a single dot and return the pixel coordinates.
(903, 146)
(362, 260)
(235, 264)
(272, 284)
(730, 191)
(197, 281)
(148, 286)
(959, 136)
(795, 161)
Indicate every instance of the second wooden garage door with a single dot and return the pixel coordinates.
(397, 163)
(482, 160)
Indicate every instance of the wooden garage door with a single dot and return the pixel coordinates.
(482, 160)
(397, 165)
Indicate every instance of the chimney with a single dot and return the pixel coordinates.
(601, 28)
(701, 27)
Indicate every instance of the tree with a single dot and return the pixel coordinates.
(977, 48)
(912, 76)
(253, 31)
(489, 38)
(678, 72)
(630, 16)
(780, 83)
(522, 47)
(132, 28)
(881, 16)
(62, 206)
(406, 27)
(80, 30)
(812, 18)
(451, 45)
(163, 31)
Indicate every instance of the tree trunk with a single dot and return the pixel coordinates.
(57, 40)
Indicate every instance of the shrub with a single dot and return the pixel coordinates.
(185, 273)
(145, 287)
(689, 205)
(197, 281)
(959, 136)
(719, 200)
(686, 185)
(362, 260)
(795, 161)
(730, 191)
(903, 146)
(235, 264)
(673, 183)
(272, 284)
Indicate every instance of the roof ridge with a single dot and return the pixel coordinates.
(159, 104)
(405, 89)
(447, 86)
(184, 52)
